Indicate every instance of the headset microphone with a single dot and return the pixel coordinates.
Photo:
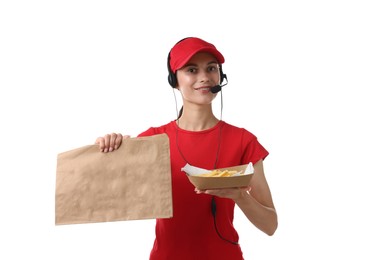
(215, 89)
(218, 88)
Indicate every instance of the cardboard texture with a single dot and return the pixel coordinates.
(204, 183)
(133, 182)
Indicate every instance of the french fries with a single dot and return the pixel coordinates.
(219, 173)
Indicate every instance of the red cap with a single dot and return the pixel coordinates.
(182, 52)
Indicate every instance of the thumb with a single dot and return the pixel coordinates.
(98, 140)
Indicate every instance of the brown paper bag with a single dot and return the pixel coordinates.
(133, 182)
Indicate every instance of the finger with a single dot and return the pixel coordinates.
(198, 191)
(106, 145)
(248, 188)
(100, 142)
(111, 144)
(118, 141)
(126, 136)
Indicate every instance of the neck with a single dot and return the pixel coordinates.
(197, 119)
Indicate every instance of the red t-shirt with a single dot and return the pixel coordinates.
(191, 234)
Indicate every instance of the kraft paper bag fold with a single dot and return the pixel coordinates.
(133, 182)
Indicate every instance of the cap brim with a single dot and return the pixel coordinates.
(212, 51)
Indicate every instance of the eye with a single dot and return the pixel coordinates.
(212, 68)
(191, 69)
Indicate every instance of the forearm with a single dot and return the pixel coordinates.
(264, 218)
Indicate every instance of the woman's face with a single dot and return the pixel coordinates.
(197, 77)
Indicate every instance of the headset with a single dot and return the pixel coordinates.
(172, 79)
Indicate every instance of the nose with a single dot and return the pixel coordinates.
(204, 76)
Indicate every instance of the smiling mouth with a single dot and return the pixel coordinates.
(203, 89)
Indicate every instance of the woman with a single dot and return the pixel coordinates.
(202, 223)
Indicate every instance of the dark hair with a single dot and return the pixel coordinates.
(180, 112)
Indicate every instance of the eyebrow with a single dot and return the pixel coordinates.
(195, 65)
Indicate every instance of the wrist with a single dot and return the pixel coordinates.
(243, 196)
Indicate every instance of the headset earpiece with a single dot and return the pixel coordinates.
(222, 75)
(172, 80)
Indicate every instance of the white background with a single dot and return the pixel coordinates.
(309, 78)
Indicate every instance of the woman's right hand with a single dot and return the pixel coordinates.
(110, 142)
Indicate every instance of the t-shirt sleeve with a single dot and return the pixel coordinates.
(151, 131)
(253, 151)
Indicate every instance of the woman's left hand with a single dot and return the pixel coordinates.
(230, 193)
